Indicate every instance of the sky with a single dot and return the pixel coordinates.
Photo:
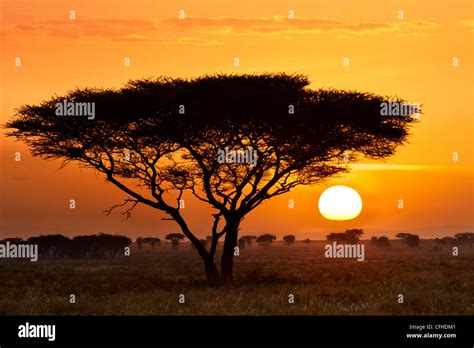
(421, 51)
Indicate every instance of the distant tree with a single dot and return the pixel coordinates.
(175, 238)
(152, 241)
(411, 240)
(449, 240)
(139, 243)
(249, 239)
(86, 246)
(465, 238)
(348, 237)
(289, 239)
(111, 244)
(266, 239)
(307, 241)
(99, 245)
(353, 235)
(336, 237)
(402, 236)
(52, 245)
(242, 243)
(380, 242)
(383, 242)
(120, 243)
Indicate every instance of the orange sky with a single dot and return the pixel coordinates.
(410, 57)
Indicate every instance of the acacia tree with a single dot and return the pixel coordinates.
(266, 239)
(380, 242)
(348, 237)
(156, 139)
(411, 240)
(175, 238)
(289, 239)
(152, 241)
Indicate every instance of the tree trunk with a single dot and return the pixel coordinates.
(212, 275)
(227, 260)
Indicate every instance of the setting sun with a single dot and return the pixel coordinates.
(340, 203)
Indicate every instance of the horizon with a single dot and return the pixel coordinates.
(279, 237)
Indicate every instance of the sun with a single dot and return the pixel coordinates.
(340, 203)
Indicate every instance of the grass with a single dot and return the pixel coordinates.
(149, 283)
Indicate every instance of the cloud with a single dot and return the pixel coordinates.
(149, 39)
(91, 27)
(469, 23)
(195, 30)
(283, 25)
(102, 29)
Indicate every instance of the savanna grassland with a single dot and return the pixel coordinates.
(149, 282)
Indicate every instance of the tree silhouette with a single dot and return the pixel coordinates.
(175, 238)
(289, 239)
(380, 242)
(348, 237)
(112, 244)
(353, 235)
(445, 241)
(337, 237)
(265, 239)
(139, 242)
(98, 245)
(152, 241)
(167, 136)
(52, 245)
(411, 240)
(248, 239)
